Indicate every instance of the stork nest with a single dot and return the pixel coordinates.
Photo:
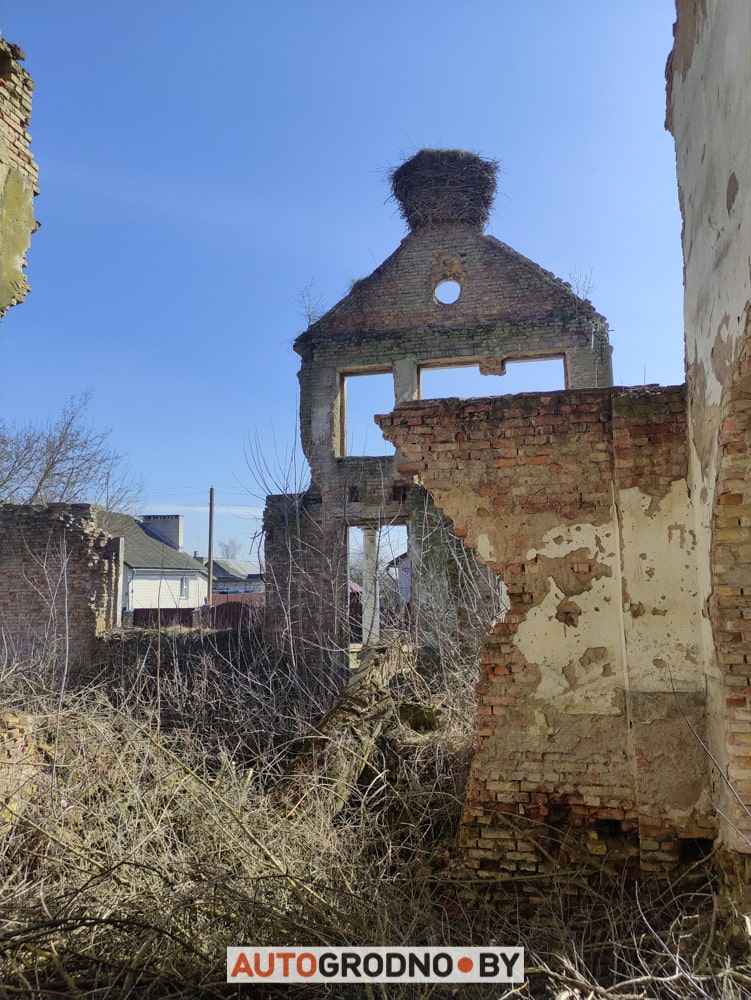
(445, 185)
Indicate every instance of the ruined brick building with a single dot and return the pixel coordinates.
(577, 499)
(614, 704)
(614, 707)
(509, 309)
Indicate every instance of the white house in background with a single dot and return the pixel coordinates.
(155, 573)
(400, 571)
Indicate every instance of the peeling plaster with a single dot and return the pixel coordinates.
(710, 56)
(659, 544)
(724, 353)
(586, 682)
(692, 17)
(732, 192)
(484, 549)
(17, 213)
(558, 542)
(18, 176)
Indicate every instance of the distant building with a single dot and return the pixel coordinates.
(155, 573)
(236, 576)
(400, 571)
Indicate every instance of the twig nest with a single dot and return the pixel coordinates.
(438, 186)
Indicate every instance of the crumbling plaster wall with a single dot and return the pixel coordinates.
(709, 115)
(591, 702)
(59, 581)
(18, 175)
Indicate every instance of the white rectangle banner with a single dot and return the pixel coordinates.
(375, 965)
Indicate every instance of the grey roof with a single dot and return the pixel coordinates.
(398, 560)
(143, 547)
(235, 569)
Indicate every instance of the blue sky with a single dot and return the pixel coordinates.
(201, 164)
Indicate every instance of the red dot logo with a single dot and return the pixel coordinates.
(465, 964)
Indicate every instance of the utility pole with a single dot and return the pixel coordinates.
(211, 545)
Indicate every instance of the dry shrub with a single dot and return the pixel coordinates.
(141, 850)
(132, 864)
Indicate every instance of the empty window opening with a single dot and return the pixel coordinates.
(400, 493)
(609, 828)
(545, 375)
(447, 292)
(362, 397)
(379, 572)
(694, 849)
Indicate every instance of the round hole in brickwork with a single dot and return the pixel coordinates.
(447, 292)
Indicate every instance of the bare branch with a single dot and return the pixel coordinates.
(230, 548)
(64, 461)
(311, 303)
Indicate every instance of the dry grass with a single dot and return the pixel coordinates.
(142, 848)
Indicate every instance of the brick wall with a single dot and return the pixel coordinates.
(509, 308)
(730, 609)
(500, 289)
(18, 175)
(591, 700)
(59, 576)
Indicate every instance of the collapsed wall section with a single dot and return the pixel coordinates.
(591, 701)
(59, 581)
(18, 175)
